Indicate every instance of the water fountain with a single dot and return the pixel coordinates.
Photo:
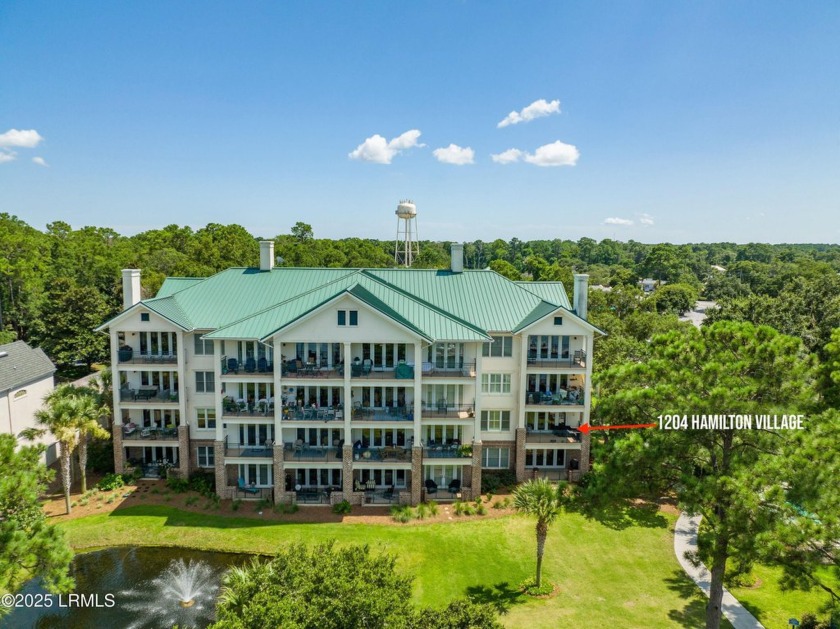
(183, 594)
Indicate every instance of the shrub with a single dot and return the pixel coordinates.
(191, 500)
(433, 507)
(401, 514)
(111, 499)
(203, 482)
(236, 504)
(101, 456)
(262, 503)
(480, 509)
(342, 508)
(421, 511)
(110, 482)
(493, 480)
(292, 507)
(529, 587)
(178, 485)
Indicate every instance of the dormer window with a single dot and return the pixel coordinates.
(348, 317)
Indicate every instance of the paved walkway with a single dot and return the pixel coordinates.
(685, 540)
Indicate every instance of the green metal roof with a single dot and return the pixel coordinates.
(172, 285)
(552, 292)
(437, 305)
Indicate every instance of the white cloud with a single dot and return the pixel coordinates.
(554, 154)
(454, 154)
(40, 161)
(537, 109)
(645, 219)
(24, 139)
(615, 220)
(7, 156)
(381, 151)
(507, 157)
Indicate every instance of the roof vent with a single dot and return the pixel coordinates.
(3, 354)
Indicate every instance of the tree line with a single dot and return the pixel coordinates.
(58, 284)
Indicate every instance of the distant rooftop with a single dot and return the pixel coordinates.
(21, 364)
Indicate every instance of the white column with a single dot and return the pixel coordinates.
(348, 397)
(587, 386)
(115, 378)
(479, 369)
(523, 380)
(418, 389)
(182, 378)
(278, 389)
(217, 376)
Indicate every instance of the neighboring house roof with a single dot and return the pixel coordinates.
(22, 364)
(435, 304)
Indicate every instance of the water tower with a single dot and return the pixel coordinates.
(406, 247)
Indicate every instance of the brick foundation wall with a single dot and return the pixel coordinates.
(119, 451)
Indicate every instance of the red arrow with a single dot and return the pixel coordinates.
(586, 428)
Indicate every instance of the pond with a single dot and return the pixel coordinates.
(130, 588)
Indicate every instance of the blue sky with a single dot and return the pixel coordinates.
(677, 121)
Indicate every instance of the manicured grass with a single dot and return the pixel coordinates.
(772, 605)
(608, 575)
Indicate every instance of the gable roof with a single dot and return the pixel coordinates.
(434, 304)
(22, 364)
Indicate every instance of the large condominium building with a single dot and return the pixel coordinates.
(370, 385)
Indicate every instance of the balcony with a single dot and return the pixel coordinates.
(233, 448)
(149, 395)
(558, 435)
(461, 370)
(366, 369)
(561, 398)
(575, 360)
(127, 356)
(388, 414)
(296, 369)
(132, 431)
(385, 453)
(250, 366)
(447, 451)
(242, 409)
(307, 413)
(307, 453)
(449, 411)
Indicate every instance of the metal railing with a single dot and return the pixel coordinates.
(447, 452)
(126, 357)
(297, 452)
(265, 450)
(576, 359)
(382, 453)
(149, 395)
(388, 414)
(134, 432)
(453, 411)
(556, 435)
(546, 399)
(461, 370)
(249, 366)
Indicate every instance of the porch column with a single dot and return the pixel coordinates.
(116, 385)
(279, 474)
(475, 477)
(347, 470)
(278, 397)
(348, 398)
(416, 474)
(520, 454)
(523, 382)
(217, 375)
(219, 459)
(184, 450)
(182, 380)
(119, 450)
(418, 390)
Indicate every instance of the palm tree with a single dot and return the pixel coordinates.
(57, 418)
(540, 499)
(86, 415)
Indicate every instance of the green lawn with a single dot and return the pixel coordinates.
(606, 574)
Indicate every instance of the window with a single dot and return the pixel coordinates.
(206, 456)
(495, 420)
(558, 320)
(204, 382)
(20, 394)
(502, 346)
(203, 347)
(495, 383)
(495, 457)
(348, 315)
(144, 316)
(205, 418)
(545, 458)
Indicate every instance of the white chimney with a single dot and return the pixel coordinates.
(131, 287)
(581, 297)
(456, 255)
(266, 255)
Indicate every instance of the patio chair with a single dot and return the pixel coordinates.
(262, 365)
(262, 406)
(232, 365)
(367, 366)
(246, 488)
(250, 365)
(454, 486)
(431, 486)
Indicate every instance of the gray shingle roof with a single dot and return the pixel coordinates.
(22, 365)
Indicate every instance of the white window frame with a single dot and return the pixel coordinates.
(205, 345)
(209, 456)
(503, 344)
(501, 458)
(495, 421)
(495, 383)
(201, 382)
(203, 420)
